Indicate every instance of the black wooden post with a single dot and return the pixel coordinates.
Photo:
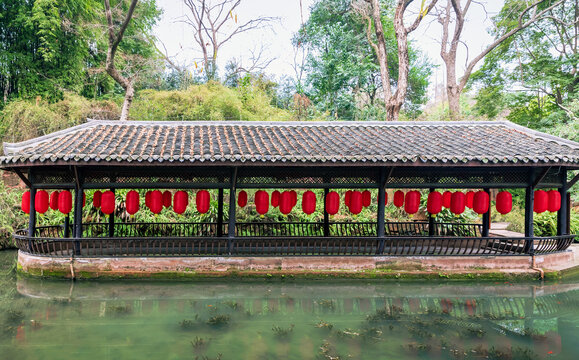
(381, 210)
(66, 226)
(112, 220)
(326, 215)
(486, 218)
(78, 195)
(220, 213)
(32, 214)
(529, 232)
(562, 214)
(431, 226)
(232, 209)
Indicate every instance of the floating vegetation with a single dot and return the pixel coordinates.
(199, 344)
(120, 309)
(327, 304)
(14, 316)
(387, 313)
(233, 305)
(347, 333)
(328, 352)
(282, 332)
(187, 324)
(219, 320)
(416, 347)
(324, 325)
(371, 334)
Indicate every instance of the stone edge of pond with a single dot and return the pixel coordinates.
(394, 268)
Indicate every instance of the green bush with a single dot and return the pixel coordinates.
(545, 224)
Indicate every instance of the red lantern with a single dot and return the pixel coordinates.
(457, 202)
(481, 202)
(285, 202)
(180, 202)
(332, 203)
(294, 197)
(83, 199)
(108, 202)
(261, 202)
(412, 202)
(275, 197)
(155, 202)
(53, 202)
(96, 199)
(399, 198)
(148, 199)
(309, 202)
(554, 203)
(469, 199)
(366, 198)
(541, 201)
(25, 204)
(132, 202)
(65, 202)
(202, 201)
(356, 202)
(434, 203)
(167, 198)
(347, 198)
(504, 202)
(41, 201)
(242, 198)
(446, 197)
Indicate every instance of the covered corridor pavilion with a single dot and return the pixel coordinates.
(230, 156)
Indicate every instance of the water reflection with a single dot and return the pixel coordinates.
(289, 320)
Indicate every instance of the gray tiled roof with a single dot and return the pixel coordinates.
(295, 142)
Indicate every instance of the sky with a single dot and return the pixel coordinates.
(177, 37)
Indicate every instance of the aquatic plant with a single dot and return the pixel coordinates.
(371, 334)
(14, 316)
(387, 313)
(218, 320)
(328, 352)
(347, 333)
(233, 305)
(324, 325)
(280, 332)
(120, 309)
(327, 304)
(187, 324)
(199, 344)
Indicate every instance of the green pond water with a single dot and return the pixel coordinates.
(290, 319)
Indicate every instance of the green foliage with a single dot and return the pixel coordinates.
(10, 214)
(545, 224)
(211, 101)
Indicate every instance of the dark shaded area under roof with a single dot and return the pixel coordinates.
(299, 143)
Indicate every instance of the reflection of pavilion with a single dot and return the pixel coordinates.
(227, 157)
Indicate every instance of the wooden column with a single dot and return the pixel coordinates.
(32, 214)
(220, 213)
(563, 213)
(529, 199)
(381, 210)
(486, 218)
(77, 220)
(431, 220)
(232, 209)
(326, 215)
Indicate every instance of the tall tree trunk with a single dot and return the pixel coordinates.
(129, 94)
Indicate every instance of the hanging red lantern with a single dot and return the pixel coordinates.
(504, 202)
(132, 202)
(446, 197)
(294, 197)
(148, 199)
(96, 199)
(261, 202)
(332, 203)
(412, 202)
(203, 200)
(275, 197)
(541, 201)
(481, 202)
(108, 202)
(53, 202)
(554, 203)
(308, 202)
(457, 202)
(25, 203)
(385, 198)
(65, 202)
(366, 198)
(180, 202)
(356, 202)
(41, 201)
(399, 198)
(347, 198)
(469, 199)
(434, 203)
(285, 202)
(167, 198)
(242, 199)
(156, 201)
(83, 199)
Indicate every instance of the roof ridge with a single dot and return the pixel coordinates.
(541, 135)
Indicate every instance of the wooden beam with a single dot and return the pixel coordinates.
(572, 181)
(23, 178)
(541, 177)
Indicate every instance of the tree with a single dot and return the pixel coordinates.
(343, 71)
(393, 100)
(526, 14)
(214, 24)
